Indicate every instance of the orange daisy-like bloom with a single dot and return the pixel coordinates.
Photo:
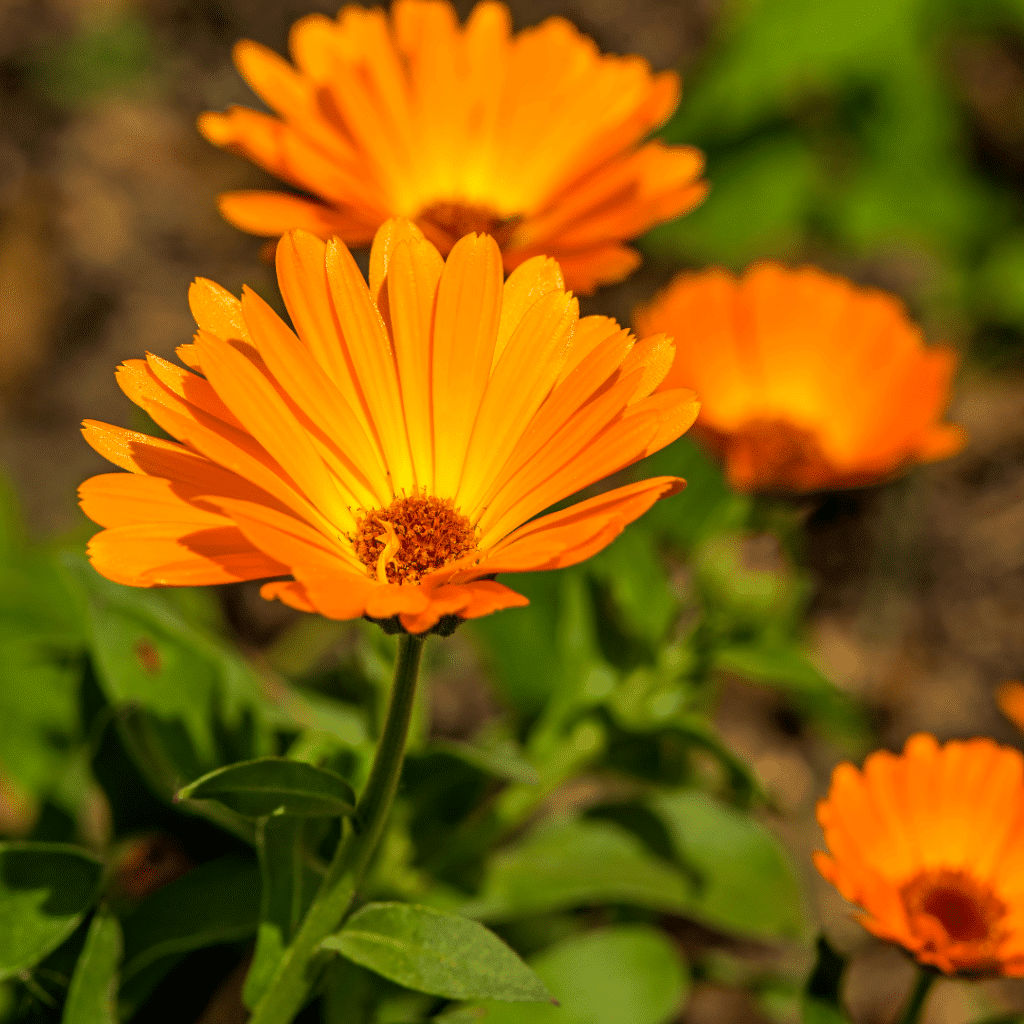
(806, 381)
(534, 138)
(930, 844)
(386, 454)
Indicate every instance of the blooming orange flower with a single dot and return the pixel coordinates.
(805, 381)
(533, 138)
(930, 844)
(386, 454)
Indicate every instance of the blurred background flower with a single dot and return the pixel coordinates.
(805, 383)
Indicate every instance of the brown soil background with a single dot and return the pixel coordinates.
(107, 212)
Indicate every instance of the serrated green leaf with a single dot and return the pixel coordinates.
(578, 863)
(92, 995)
(275, 785)
(744, 881)
(440, 954)
(608, 976)
(46, 889)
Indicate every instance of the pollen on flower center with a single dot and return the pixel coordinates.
(412, 537)
(445, 223)
(967, 910)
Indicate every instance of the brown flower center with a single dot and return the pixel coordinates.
(445, 223)
(775, 453)
(953, 908)
(412, 537)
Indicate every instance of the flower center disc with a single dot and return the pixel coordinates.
(445, 223)
(967, 910)
(412, 537)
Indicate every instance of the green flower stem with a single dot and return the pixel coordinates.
(302, 962)
(915, 1004)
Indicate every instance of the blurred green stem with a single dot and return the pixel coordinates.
(302, 962)
(915, 1004)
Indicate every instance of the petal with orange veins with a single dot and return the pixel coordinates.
(574, 534)
(178, 555)
(470, 600)
(314, 400)
(237, 453)
(217, 311)
(302, 277)
(153, 456)
(289, 592)
(271, 214)
(525, 285)
(466, 319)
(373, 362)
(553, 479)
(588, 269)
(413, 277)
(268, 420)
(519, 383)
(123, 499)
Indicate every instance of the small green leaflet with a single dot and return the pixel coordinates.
(274, 785)
(440, 954)
(92, 996)
(45, 891)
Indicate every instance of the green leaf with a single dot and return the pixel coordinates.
(275, 785)
(502, 758)
(744, 881)
(521, 642)
(92, 996)
(441, 954)
(608, 976)
(822, 999)
(288, 887)
(785, 666)
(637, 583)
(45, 891)
(706, 505)
(578, 863)
(195, 704)
(214, 903)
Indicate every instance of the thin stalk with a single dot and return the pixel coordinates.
(915, 1004)
(301, 962)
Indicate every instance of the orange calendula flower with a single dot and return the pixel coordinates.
(388, 455)
(534, 138)
(930, 844)
(806, 381)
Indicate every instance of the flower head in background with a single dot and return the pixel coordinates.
(387, 456)
(806, 381)
(930, 844)
(534, 138)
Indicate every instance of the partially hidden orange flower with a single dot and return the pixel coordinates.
(806, 381)
(930, 844)
(535, 138)
(387, 456)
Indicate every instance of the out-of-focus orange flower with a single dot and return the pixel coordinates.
(805, 381)
(387, 453)
(1010, 697)
(930, 844)
(534, 138)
